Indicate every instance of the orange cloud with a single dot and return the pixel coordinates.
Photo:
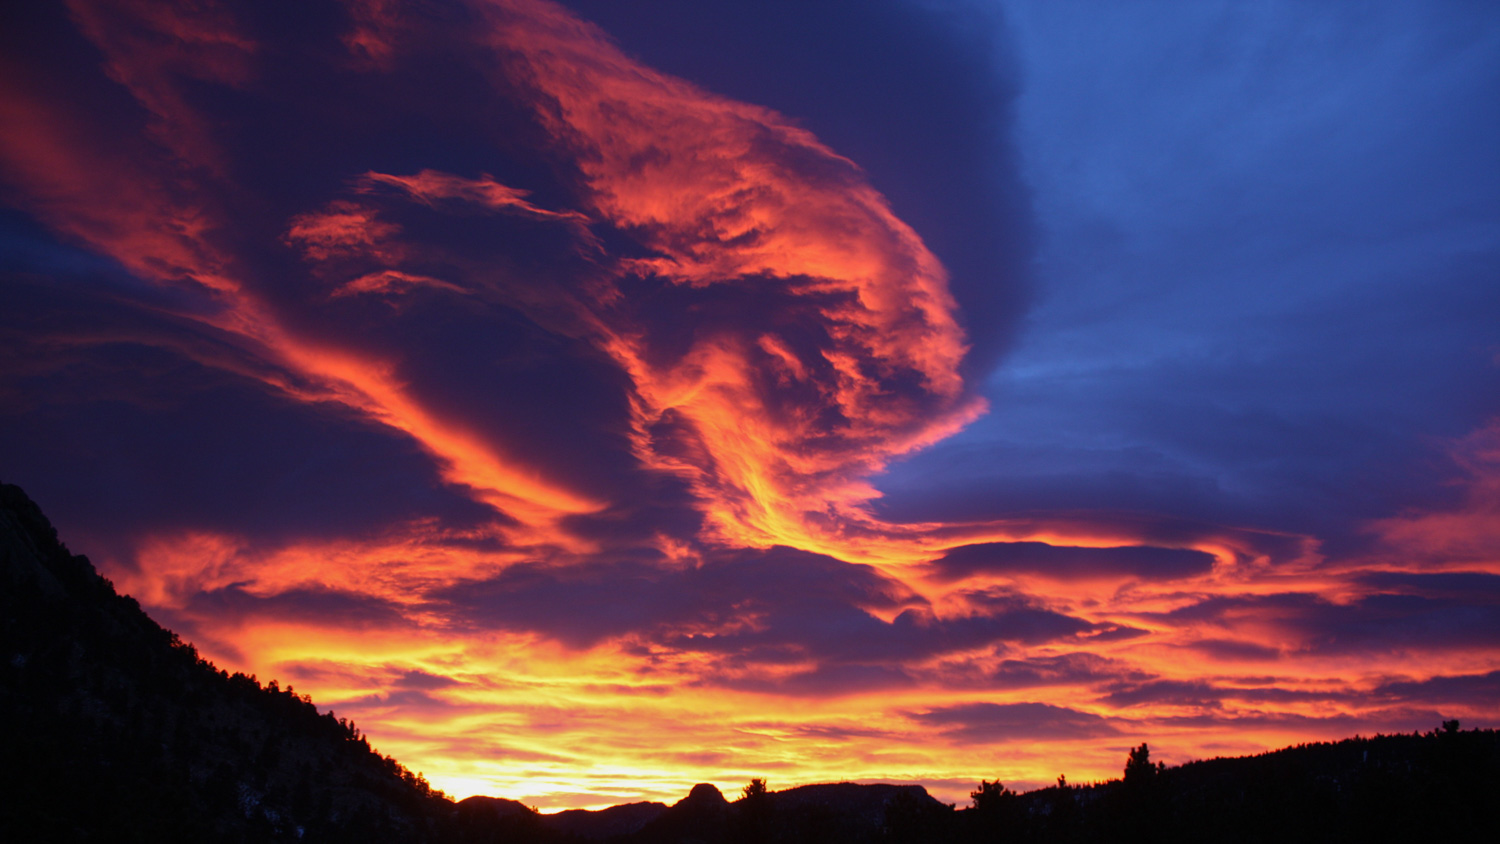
(170, 234)
(151, 48)
(1467, 536)
(430, 186)
(731, 195)
(342, 228)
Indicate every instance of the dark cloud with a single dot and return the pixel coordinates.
(1005, 722)
(1478, 690)
(392, 676)
(1383, 622)
(1233, 649)
(1074, 669)
(1467, 586)
(1212, 694)
(1170, 692)
(1331, 727)
(413, 703)
(827, 681)
(204, 615)
(582, 604)
(334, 608)
(840, 635)
(774, 607)
(166, 443)
(1064, 562)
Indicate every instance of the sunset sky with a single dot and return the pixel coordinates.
(593, 398)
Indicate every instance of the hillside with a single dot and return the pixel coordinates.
(114, 724)
(116, 730)
(1434, 786)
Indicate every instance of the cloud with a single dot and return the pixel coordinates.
(1465, 533)
(828, 681)
(335, 609)
(1468, 586)
(823, 337)
(1232, 649)
(700, 605)
(1380, 622)
(432, 186)
(748, 609)
(1478, 691)
(996, 723)
(1063, 563)
(1337, 725)
(1212, 695)
(1072, 669)
(1170, 692)
(343, 227)
(931, 123)
(728, 196)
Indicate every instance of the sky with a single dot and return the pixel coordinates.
(595, 398)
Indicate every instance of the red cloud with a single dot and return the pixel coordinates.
(432, 186)
(728, 195)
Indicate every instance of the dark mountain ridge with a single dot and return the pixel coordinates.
(116, 730)
(116, 725)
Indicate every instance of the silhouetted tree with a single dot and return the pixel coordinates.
(1063, 817)
(755, 790)
(1139, 806)
(995, 811)
(1138, 767)
(990, 795)
(755, 811)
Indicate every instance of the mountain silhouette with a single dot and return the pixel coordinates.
(614, 822)
(117, 730)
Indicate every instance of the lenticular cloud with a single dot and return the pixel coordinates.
(782, 332)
